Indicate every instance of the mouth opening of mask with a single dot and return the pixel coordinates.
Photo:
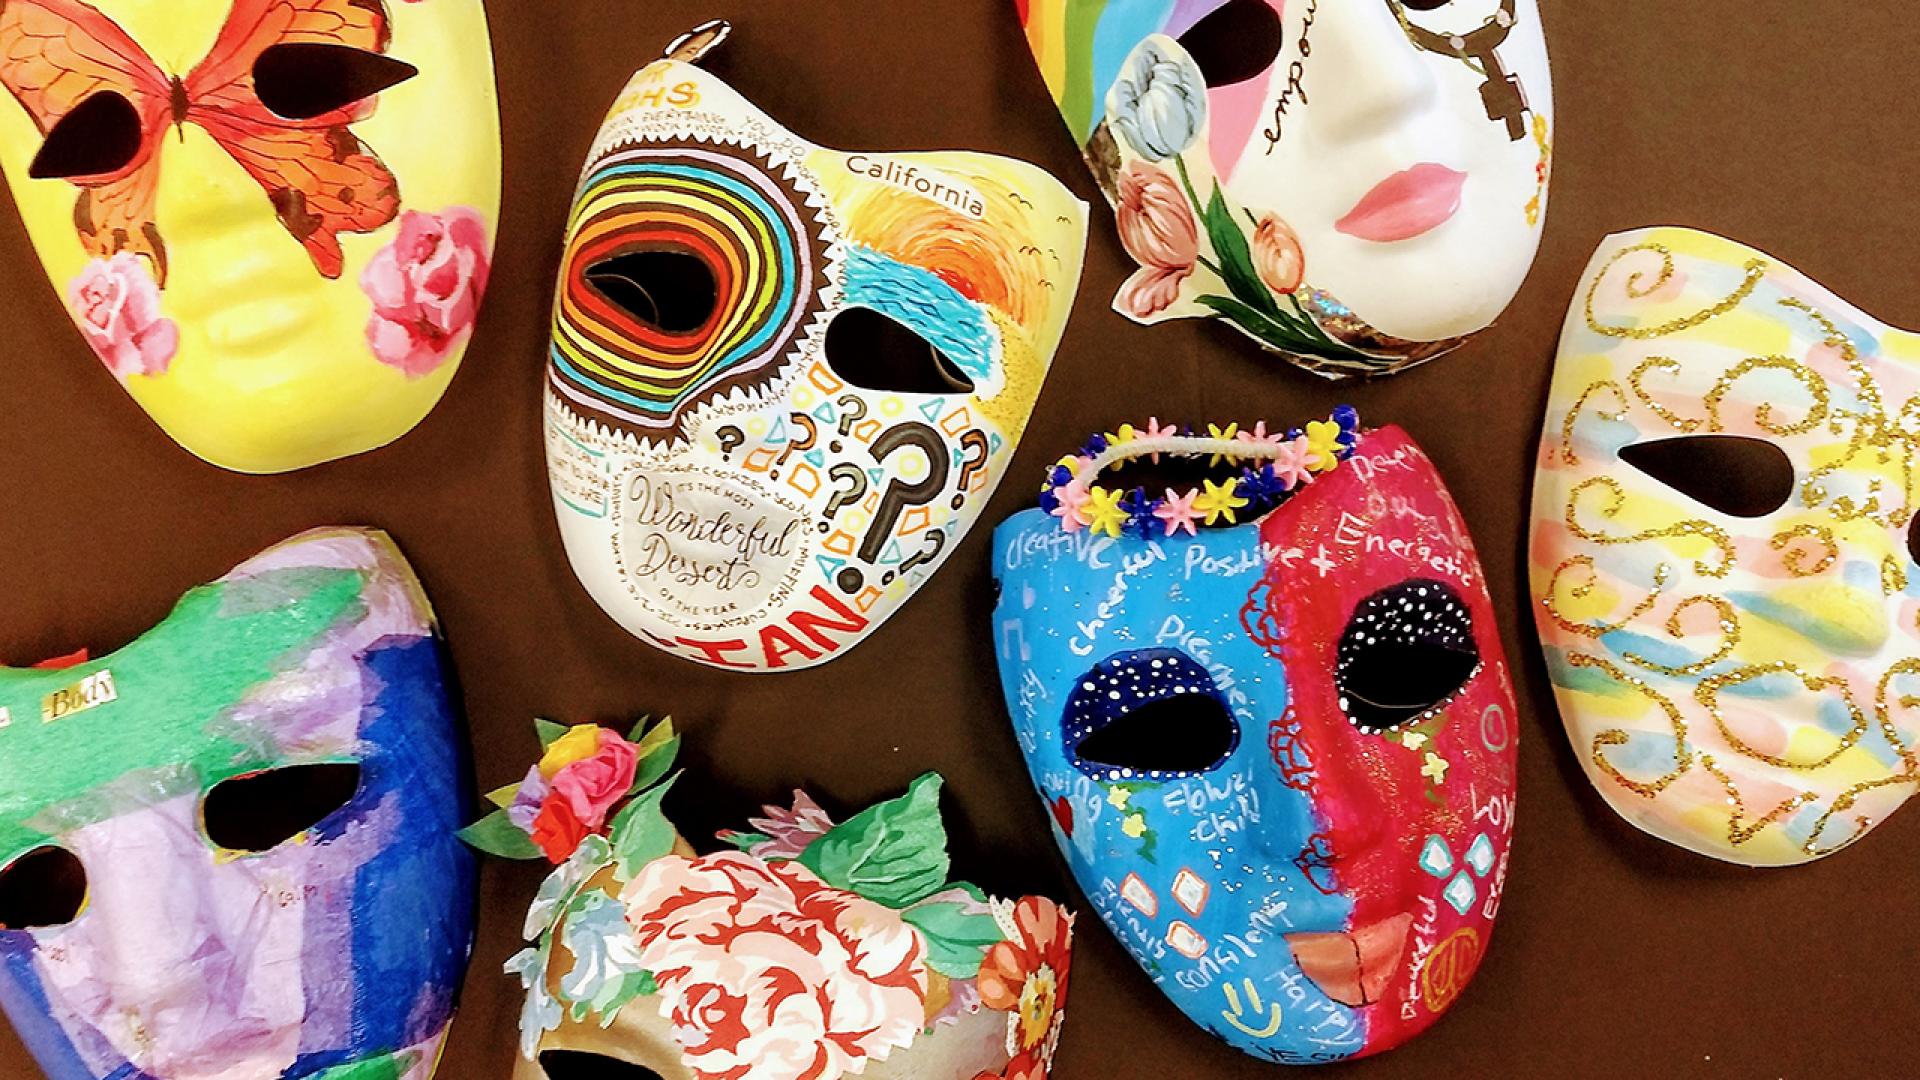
(303, 80)
(1405, 653)
(1151, 714)
(44, 888)
(1141, 481)
(1738, 476)
(260, 811)
(671, 290)
(1235, 42)
(98, 137)
(875, 352)
(585, 1065)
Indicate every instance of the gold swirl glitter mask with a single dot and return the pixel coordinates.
(1723, 549)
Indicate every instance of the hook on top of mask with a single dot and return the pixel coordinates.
(208, 837)
(784, 380)
(1270, 722)
(1724, 544)
(1358, 186)
(806, 950)
(272, 220)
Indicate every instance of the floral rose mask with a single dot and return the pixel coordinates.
(1271, 723)
(807, 951)
(1356, 185)
(272, 220)
(211, 840)
(784, 380)
(1723, 550)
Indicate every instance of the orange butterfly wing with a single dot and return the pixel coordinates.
(54, 54)
(322, 179)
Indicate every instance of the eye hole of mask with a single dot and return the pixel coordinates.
(1425, 5)
(1235, 42)
(873, 352)
(303, 80)
(45, 887)
(1738, 476)
(1155, 713)
(264, 810)
(671, 290)
(580, 1065)
(1406, 650)
(100, 135)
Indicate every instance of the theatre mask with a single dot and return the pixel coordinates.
(1270, 722)
(1723, 549)
(803, 950)
(272, 220)
(228, 850)
(1359, 186)
(784, 379)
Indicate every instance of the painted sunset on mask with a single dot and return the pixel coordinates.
(209, 945)
(1281, 764)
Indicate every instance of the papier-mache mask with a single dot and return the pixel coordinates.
(228, 849)
(272, 220)
(784, 380)
(1723, 549)
(1272, 725)
(1357, 185)
(807, 950)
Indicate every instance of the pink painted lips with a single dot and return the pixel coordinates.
(1406, 204)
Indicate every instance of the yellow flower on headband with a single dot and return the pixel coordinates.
(1104, 514)
(578, 744)
(1230, 434)
(1219, 500)
(1323, 438)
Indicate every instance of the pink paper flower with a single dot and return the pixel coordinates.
(766, 971)
(789, 832)
(1277, 255)
(117, 305)
(426, 288)
(591, 786)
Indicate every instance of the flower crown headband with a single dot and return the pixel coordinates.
(1288, 463)
(880, 880)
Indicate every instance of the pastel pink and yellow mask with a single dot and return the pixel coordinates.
(784, 380)
(806, 950)
(1358, 186)
(272, 220)
(1723, 550)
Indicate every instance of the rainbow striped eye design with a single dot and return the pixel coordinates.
(689, 275)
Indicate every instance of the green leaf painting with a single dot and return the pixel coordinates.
(496, 835)
(894, 853)
(957, 939)
(641, 832)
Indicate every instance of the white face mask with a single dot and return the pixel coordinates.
(785, 379)
(1358, 185)
(1723, 549)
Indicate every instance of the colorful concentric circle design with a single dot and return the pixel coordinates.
(747, 220)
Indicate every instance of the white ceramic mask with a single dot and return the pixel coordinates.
(1723, 544)
(1357, 185)
(784, 379)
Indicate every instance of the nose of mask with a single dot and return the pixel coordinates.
(280, 250)
(784, 379)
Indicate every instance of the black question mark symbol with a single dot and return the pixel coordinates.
(900, 496)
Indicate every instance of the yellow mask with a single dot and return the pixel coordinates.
(272, 220)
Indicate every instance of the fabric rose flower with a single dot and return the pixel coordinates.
(788, 832)
(117, 304)
(1277, 255)
(426, 288)
(1026, 976)
(591, 786)
(1159, 103)
(572, 791)
(766, 971)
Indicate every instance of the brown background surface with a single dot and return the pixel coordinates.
(1788, 124)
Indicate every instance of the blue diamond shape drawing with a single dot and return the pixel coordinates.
(1436, 857)
(1480, 855)
(1461, 893)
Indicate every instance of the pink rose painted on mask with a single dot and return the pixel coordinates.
(426, 288)
(117, 305)
(591, 786)
(766, 971)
